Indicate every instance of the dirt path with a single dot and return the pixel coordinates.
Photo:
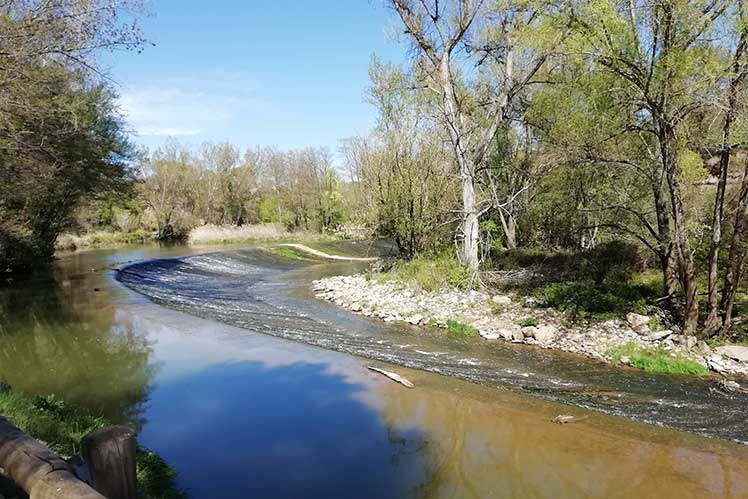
(322, 254)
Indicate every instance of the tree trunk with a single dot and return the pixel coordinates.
(470, 225)
(713, 322)
(736, 256)
(683, 256)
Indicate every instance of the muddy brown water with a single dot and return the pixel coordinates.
(231, 370)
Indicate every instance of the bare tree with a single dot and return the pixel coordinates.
(466, 56)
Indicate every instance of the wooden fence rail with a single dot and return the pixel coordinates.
(109, 452)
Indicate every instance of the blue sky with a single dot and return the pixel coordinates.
(286, 73)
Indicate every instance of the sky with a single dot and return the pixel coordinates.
(284, 73)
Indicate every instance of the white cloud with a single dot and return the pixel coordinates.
(188, 107)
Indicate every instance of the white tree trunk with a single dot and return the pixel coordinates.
(470, 225)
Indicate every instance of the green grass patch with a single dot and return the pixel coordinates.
(431, 272)
(61, 427)
(289, 253)
(657, 360)
(461, 330)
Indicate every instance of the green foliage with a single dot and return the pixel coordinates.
(657, 360)
(461, 330)
(587, 299)
(432, 272)
(156, 478)
(528, 321)
(48, 419)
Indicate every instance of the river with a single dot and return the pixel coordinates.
(232, 371)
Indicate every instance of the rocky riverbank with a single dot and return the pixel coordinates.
(504, 317)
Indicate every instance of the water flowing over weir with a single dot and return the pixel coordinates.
(255, 290)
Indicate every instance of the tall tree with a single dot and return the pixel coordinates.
(467, 57)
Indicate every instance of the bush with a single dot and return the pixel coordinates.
(588, 299)
(432, 272)
(458, 329)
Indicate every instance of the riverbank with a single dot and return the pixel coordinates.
(205, 235)
(509, 317)
(61, 427)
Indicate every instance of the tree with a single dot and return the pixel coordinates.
(61, 139)
(467, 57)
(660, 56)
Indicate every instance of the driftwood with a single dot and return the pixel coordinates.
(393, 376)
(36, 469)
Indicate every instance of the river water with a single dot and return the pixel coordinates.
(234, 373)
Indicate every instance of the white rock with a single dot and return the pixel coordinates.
(638, 322)
(735, 352)
(489, 335)
(529, 331)
(518, 336)
(658, 335)
(545, 334)
(507, 334)
(355, 307)
(715, 363)
(691, 341)
(416, 319)
(501, 299)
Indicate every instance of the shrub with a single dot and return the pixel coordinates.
(432, 272)
(527, 322)
(459, 329)
(587, 299)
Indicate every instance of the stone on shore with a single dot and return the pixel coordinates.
(735, 352)
(639, 323)
(545, 334)
(658, 335)
(501, 299)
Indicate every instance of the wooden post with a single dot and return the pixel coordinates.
(38, 470)
(110, 455)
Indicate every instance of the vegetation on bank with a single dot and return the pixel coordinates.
(656, 360)
(62, 427)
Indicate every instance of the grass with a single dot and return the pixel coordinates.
(657, 360)
(62, 427)
(604, 283)
(461, 330)
(527, 322)
(431, 272)
(226, 234)
(285, 253)
(102, 239)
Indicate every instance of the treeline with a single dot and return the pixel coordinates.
(567, 125)
(177, 189)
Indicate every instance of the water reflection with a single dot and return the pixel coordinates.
(58, 336)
